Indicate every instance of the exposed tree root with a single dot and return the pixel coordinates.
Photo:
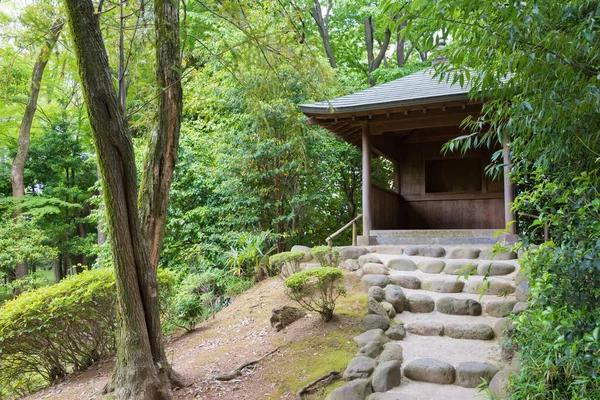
(325, 380)
(238, 371)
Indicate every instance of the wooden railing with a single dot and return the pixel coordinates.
(343, 228)
(546, 229)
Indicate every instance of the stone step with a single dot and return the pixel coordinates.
(414, 390)
(470, 252)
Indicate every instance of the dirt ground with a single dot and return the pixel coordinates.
(241, 333)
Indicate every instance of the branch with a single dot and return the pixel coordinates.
(330, 376)
(238, 371)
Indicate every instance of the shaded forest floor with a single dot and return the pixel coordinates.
(241, 333)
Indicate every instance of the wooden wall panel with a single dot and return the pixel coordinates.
(387, 209)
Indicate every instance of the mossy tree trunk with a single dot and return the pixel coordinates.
(142, 370)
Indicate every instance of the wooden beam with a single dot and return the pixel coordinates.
(425, 121)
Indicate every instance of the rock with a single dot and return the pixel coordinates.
(351, 265)
(375, 280)
(494, 287)
(373, 307)
(402, 264)
(359, 367)
(391, 396)
(450, 305)
(469, 331)
(406, 281)
(392, 352)
(396, 332)
(495, 268)
(499, 309)
(371, 349)
(426, 328)
(499, 383)
(373, 321)
(309, 266)
(460, 268)
(395, 296)
(375, 335)
(387, 249)
(425, 251)
(503, 328)
(430, 370)
(522, 291)
(377, 293)
(520, 307)
(443, 286)
(420, 303)
(502, 255)
(359, 272)
(469, 374)
(464, 253)
(389, 309)
(432, 266)
(285, 316)
(358, 389)
(368, 258)
(375, 269)
(305, 250)
(386, 376)
(352, 253)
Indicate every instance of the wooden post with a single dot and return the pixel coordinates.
(509, 189)
(396, 178)
(366, 180)
(354, 233)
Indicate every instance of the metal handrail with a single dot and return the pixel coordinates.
(343, 228)
(546, 229)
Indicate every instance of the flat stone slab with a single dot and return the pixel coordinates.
(406, 281)
(469, 331)
(386, 376)
(377, 293)
(500, 309)
(450, 305)
(420, 303)
(368, 258)
(391, 396)
(425, 251)
(358, 389)
(392, 352)
(460, 267)
(395, 296)
(493, 287)
(432, 266)
(396, 332)
(426, 328)
(375, 269)
(375, 335)
(371, 350)
(464, 253)
(359, 367)
(470, 374)
(498, 256)
(375, 280)
(374, 321)
(402, 264)
(430, 370)
(443, 286)
(495, 268)
(352, 253)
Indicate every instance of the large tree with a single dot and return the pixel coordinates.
(142, 370)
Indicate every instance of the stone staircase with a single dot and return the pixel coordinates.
(435, 321)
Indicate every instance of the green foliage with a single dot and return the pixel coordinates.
(30, 282)
(249, 256)
(327, 256)
(317, 290)
(51, 331)
(286, 263)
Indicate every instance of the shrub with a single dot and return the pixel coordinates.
(53, 330)
(286, 263)
(327, 256)
(317, 290)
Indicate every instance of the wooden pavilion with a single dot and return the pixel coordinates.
(407, 121)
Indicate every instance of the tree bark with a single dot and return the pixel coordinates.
(401, 56)
(375, 61)
(162, 150)
(323, 25)
(142, 370)
(18, 166)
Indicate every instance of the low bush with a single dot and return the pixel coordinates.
(286, 263)
(317, 290)
(327, 256)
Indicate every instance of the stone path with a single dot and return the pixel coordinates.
(431, 333)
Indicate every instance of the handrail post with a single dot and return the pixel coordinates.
(329, 242)
(354, 233)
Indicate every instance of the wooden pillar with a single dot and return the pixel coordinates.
(396, 178)
(509, 189)
(366, 180)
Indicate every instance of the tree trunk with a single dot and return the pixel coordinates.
(375, 62)
(162, 149)
(18, 167)
(142, 371)
(401, 56)
(323, 25)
